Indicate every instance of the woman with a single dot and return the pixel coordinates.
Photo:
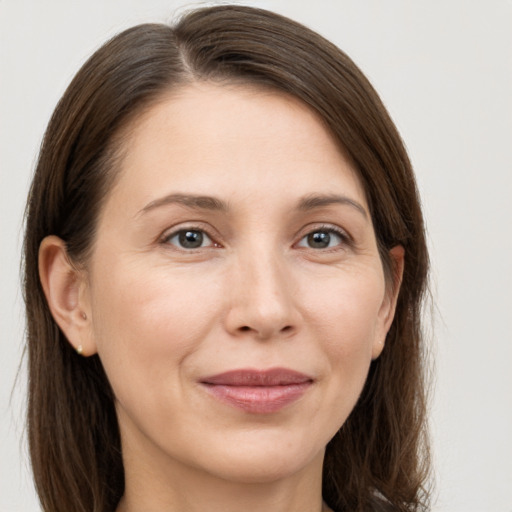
(225, 262)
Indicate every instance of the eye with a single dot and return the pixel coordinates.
(322, 239)
(189, 239)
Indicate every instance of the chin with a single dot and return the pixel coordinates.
(249, 472)
(257, 465)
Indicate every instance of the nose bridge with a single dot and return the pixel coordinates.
(262, 302)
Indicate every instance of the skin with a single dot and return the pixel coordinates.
(256, 294)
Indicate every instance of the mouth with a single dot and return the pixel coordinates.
(258, 391)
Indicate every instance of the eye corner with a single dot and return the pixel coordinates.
(324, 238)
(189, 239)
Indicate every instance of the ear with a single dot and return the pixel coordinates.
(388, 306)
(65, 288)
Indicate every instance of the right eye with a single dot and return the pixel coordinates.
(189, 239)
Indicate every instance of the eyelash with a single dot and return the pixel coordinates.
(345, 239)
(166, 239)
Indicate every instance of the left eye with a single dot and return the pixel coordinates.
(321, 239)
(190, 239)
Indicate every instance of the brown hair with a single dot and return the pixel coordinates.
(379, 458)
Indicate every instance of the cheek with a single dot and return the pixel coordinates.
(133, 298)
(145, 319)
(346, 308)
(345, 315)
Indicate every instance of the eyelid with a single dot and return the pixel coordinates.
(170, 233)
(207, 230)
(346, 238)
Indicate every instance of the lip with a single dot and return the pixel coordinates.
(258, 391)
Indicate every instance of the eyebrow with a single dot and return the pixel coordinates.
(313, 201)
(190, 201)
(210, 203)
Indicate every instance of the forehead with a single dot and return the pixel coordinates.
(232, 139)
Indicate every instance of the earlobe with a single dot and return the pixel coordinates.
(64, 287)
(388, 307)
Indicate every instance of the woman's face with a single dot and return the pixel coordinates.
(235, 290)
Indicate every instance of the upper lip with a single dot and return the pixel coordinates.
(255, 377)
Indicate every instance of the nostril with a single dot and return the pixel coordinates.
(287, 329)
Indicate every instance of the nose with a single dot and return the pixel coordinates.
(262, 298)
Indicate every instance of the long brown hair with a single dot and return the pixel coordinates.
(379, 458)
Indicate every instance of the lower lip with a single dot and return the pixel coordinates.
(258, 399)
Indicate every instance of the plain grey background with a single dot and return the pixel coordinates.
(444, 70)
